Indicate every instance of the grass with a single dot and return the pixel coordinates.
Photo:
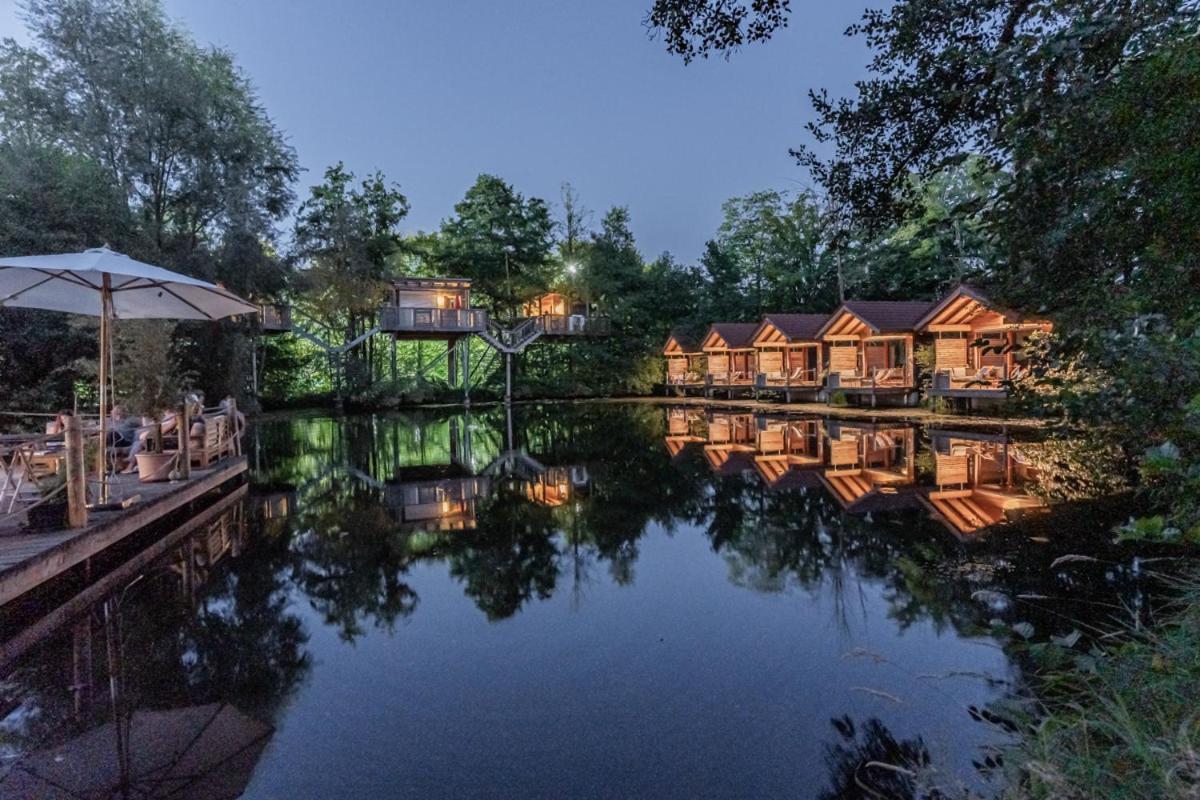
(1121, 720)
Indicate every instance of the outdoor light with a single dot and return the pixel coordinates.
(572, 267)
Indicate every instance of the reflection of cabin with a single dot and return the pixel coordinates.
(685, 362)
(431, 307)
(870, 468)
(729, 351)
(561, 317)
(981, 481)
(871, 349)
(786, 448)
(731, 442)
(788, 354)
(684, 426)
(440, 504)
(275, 318)
(977, 346)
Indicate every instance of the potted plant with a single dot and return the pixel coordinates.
(51, 512)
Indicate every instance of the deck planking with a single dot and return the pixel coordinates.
(30, 559)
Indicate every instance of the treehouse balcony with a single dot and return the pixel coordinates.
(559, 317)
(275, 318)
(429, 307)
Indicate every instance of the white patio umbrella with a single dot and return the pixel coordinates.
(110, 285)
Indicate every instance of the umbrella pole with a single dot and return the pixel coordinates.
(105, 350)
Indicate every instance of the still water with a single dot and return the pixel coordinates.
(584, 601)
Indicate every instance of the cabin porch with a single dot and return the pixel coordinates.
(872, 368)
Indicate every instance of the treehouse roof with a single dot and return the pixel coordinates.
(432, 283)
(730, 336)
(875, 317)
(680, 343)
(965, 305)
(789, 328)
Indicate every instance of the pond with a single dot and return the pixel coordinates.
(592, 601)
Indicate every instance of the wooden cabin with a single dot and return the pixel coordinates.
(788, 354)
(560, 316)
(685, 363)
(870, 347)
(731, 442)
(977, 346)
(275, 318)
(869, 467)
(980, 481)
(431, 307)
(684, 426)
(730, 357)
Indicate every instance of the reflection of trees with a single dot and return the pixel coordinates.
(509, 561)
(851, 774)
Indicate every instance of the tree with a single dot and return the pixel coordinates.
(501, 241)
(347, 236)
(695, 28)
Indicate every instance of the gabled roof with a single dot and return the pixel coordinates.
(731, 336)
(876, 316)
(685, 343)
(964, 304)
(792, 327)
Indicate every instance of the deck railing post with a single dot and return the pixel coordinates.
(185, 441)
(77, 514)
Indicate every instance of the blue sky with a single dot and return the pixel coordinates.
(539, 92)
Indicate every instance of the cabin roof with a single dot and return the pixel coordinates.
(686, 343)
(879, 316)
(735, 335)
(432, 283)
(794, 327)
(964, 304)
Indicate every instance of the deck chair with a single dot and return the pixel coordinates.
(797, 375)
(214, 445)
(886, 376)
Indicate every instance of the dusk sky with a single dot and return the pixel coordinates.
(539, 92)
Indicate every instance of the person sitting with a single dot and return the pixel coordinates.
(58, 425)
(121, 429)
(168, 423)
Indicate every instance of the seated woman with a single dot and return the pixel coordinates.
(58, 425)
(169, 421)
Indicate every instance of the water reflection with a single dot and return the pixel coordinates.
(528, 601)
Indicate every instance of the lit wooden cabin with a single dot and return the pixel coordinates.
(787, 446)
(275, 318)
(870, 468)
(788, 354)
(729, 354)
(685, 362)
(981, 481)
(870, 345)
(977, 345)
(431, 308)
(562, 317)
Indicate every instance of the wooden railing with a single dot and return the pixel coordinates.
(401, 319)
(574, 325)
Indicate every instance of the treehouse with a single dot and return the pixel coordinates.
(729, 353)
(436, 502)
(431, 308)
(978, 346)
(870, 468)
(561, 317)
(788, 354)
(981, 481)
(557, 485)
(685, 362)
(786, 448)
(871, 350)
(275, 318)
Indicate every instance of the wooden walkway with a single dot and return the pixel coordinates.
(29, 559)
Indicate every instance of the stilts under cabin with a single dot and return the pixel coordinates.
(788, 355)
(685, 363)
(871, 346)
(978, 346)
(730, 357)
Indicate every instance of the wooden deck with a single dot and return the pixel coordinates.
(30, 559)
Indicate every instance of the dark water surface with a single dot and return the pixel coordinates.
(592, 601)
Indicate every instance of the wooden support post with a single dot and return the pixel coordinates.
(235, 430)
(77, 515)
(466, 369)
(185, 441)
(393, 358)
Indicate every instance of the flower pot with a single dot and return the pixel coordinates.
(48, 517)
(155, 467)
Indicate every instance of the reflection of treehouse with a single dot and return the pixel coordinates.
(423, 502)
(786, 448)
(980, 481)
(557, 485)
(870, 468)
